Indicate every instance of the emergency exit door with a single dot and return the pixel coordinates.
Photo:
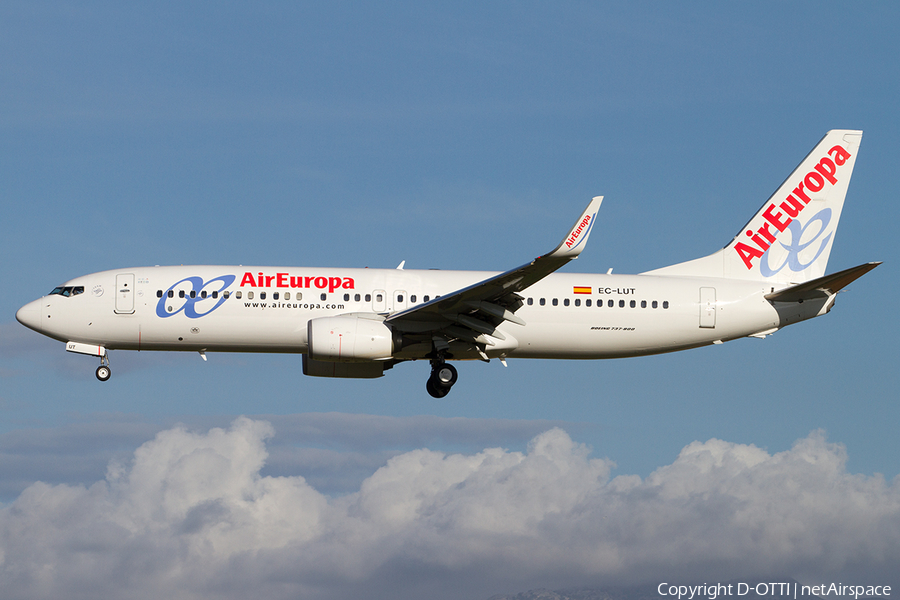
(708, 307)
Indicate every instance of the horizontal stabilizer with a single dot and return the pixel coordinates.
(821, 287)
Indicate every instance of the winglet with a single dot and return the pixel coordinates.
(576, 239)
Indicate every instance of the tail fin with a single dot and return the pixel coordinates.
(789, 239)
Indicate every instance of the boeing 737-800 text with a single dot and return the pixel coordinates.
(362, 322)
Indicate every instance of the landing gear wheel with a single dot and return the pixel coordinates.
(442, 378)
(436, 392)
(103, 373)
(445, 375)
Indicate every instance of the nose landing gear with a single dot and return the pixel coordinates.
(443, 376)
(103, 372)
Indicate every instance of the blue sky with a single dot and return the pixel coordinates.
(455, 136)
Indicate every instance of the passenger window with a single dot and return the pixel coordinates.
(632, 304)
(215, 294)
(555, 302)
(566, 302)
(193, 294)
(287, 295)
(159, 293)
(530, 301)
(227, 295)
(665, 304)
(203, 294)
(171, 294)
(237, 294)
(587, 302)
(643, 304)
(249, 295)
(543, 301)
(399, 298)
(323, 296)
(578, 301)
(262, 295)
(356, 297)
(274, 295)
(412, 298)
(654, 304)
(621, 304)
(426, 298)
(610, 303)
(379, 298)
(368, 297)
(181, 293)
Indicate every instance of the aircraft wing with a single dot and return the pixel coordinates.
(821, 287)
(474, 312)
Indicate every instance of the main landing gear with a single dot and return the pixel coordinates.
(103, 372)
(443, 376)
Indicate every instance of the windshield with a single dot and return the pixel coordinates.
(67, 291)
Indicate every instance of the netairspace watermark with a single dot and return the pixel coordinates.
(790, 589)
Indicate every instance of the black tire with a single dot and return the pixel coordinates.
(444, 375)
(103, 373)
(434, 391)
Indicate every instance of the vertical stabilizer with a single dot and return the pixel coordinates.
(789, 240)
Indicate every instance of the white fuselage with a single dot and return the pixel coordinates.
(267, 309)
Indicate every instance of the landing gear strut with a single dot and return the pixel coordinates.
(103, 372)
(443, 376)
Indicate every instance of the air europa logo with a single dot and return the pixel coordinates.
(286, 280)
(201, 293)
(763, 238)
(797, 245)
(582, 227)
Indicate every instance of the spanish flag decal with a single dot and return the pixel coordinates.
(580, 289)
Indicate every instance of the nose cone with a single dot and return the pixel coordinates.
(30, 315)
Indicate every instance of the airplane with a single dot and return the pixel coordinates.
(359, 323)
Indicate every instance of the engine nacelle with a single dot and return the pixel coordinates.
(349, 339)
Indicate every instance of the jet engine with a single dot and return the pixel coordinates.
(349, 339)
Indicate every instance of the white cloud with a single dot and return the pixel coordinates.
(191, 516)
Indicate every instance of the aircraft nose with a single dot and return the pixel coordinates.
(30, 315)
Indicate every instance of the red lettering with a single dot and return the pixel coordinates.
(333, 282)
(773, 218)
(578, 230)
(296, 282)
(827, 169)
(321, 283)
(269, 279)
(248, 280)
(747, 253)
(764, 230)
(839, 155)
(282, 280)
(758, 241)
(348, 283)
(791, 206)
(814, 181)
(307, 280)
(798, 191)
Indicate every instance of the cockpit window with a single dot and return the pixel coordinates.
(67, 291)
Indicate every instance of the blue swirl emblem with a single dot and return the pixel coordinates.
(194, 296)
(795, 247)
